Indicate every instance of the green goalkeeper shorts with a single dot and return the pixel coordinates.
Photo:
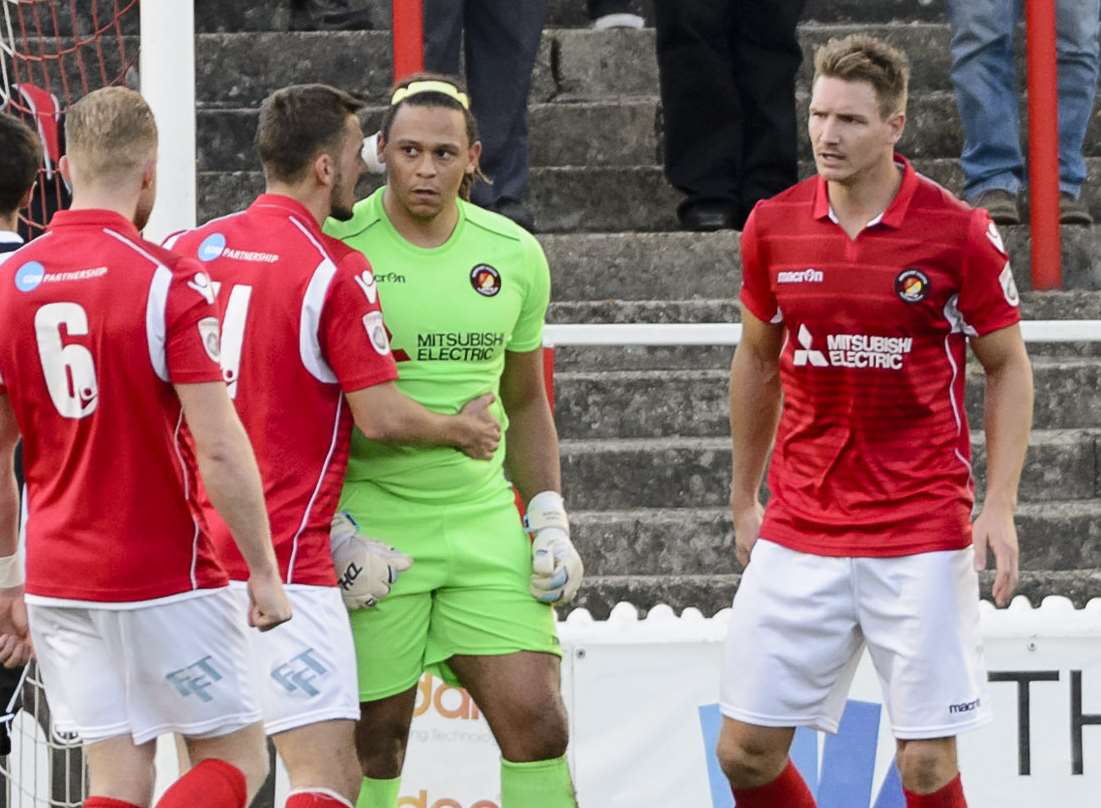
(466, 593)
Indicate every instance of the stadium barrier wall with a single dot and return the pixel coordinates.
(642, 698)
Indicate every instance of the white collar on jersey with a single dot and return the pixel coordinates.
(872, 223)
(8, 237)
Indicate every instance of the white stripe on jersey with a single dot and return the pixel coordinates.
(956, 411)
(309, 340)
(187, 498)
(316, 489)
(155, 309)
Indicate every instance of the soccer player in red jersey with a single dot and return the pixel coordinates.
(862, 288)
(305, 352)
(109, 371)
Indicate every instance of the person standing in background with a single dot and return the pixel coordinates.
(501, 43)
(728, 94)
(986, 93)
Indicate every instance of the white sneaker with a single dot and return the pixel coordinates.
(618, 21)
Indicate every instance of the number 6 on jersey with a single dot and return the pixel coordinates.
(70, 370)
(233, 335)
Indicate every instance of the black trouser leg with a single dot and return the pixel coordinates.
(701, 108)
(502, 42)
(766, 60)
(443, 35)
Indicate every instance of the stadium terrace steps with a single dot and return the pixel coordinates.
(678, 541)
(625, 131)
(644, 446)
(694, 472)
(599, 404)
(600, 199)
(239, 69)
(706, 266)
(218, 15)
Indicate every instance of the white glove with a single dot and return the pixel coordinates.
(365, 568)
(556, 568)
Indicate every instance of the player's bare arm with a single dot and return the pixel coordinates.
(1007, 420)
(754, 415)
(531, 460)
(531, 444)
(15, 645)
(232, 480)
(384, 413)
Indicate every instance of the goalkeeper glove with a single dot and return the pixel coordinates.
(365, 568)
(555, 565)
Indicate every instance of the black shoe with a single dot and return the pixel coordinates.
(1002, 206)
(1073, 211)
(517, 211)
(704, 217)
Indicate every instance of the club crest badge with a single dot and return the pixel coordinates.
(912, 285)
(486, 280)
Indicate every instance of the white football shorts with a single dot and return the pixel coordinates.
(800, 623)
(304, 671)
(179, 666)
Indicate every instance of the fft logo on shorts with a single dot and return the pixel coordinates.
(195, 679)
(298, 674)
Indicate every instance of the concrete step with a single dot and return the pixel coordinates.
(595, 199)
(622, 474)
(216, 15)
(694, 403)
(712, 593)
(239, 69)
(620, 132)
(697, 541)
(707, 266)
(609, 132)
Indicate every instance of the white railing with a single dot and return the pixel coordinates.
(561, 335)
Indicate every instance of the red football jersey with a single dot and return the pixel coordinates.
(873, 453)
(302, 324)
(98, 326)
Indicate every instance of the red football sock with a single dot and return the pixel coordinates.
(950, 796)
(107, 802)
(211, 783)
(786, 791)
(316, 798)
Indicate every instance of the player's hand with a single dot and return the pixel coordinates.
(747, 529)
(15, 638)
(556, 567)
(994, 530)
(365, 569)
(268, 605)
(479, 431)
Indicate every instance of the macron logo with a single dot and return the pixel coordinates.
(806, 354)
(809, 275)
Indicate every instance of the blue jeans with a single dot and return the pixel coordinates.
(986, 90)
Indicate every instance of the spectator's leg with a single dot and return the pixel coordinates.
(986, 93)
(443, 35)
(702, 113)
(502, 41)
(1077, 26)
(766, 60)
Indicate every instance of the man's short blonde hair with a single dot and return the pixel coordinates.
(110, 134)
(859, 57)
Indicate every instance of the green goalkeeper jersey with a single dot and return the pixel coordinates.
(452, 312)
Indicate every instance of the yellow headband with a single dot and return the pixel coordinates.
(418, 87)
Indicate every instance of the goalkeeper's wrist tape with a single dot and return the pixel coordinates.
(546, 509)
(11, 571)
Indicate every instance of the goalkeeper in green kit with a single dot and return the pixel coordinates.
(464, 292)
